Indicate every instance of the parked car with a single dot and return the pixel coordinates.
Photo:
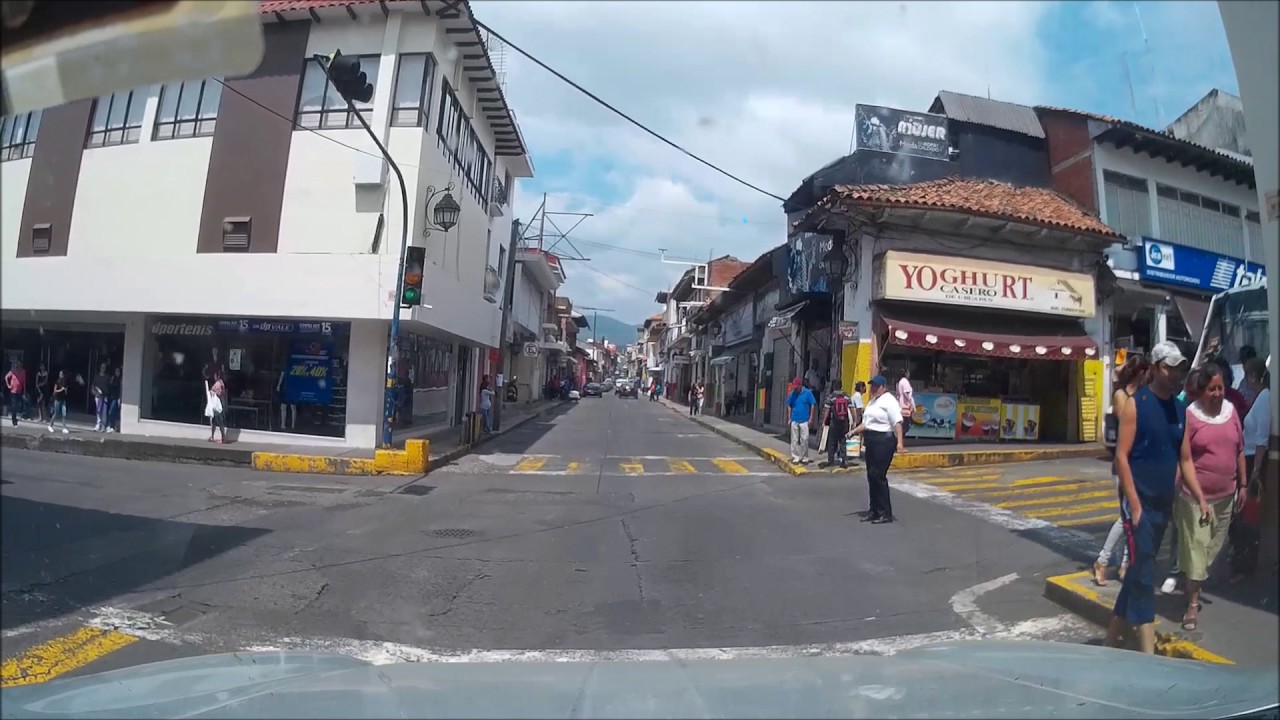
(592, 390)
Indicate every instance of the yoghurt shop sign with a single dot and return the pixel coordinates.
(983, 283)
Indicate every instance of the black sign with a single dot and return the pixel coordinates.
(191, 326)
(902, 133)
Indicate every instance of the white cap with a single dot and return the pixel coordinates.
(1167, 353)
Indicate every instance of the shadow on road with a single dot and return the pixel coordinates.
(58, 558)
(520, 439)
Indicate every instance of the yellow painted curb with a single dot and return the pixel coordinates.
(926, 459)
(412, 460)
(1067, 591)
(782, 461)
(60, 655)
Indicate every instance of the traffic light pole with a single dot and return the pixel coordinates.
(393, 335)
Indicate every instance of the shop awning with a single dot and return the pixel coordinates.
(783, 319)
(1193, 313)
(970, 333)
(723, 359)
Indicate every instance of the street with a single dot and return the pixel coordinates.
(606, 525)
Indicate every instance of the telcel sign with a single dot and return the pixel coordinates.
(984, 283)
(1189, 267)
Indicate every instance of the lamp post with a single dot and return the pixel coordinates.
(835, 264)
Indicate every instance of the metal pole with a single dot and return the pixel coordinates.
(393, 334)
(508, 296)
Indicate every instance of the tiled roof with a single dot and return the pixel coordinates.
(988, 198)
(270, 6)
(724, 270)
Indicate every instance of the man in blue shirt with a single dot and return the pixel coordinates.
(1149, 453)
(801, 402)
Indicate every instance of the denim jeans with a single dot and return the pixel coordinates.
(17, 403)
(59, 411)
(486, 415)
(113, 413)
(100, 406)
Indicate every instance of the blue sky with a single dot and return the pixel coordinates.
(769, 95)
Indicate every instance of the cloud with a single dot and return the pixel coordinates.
(764, 90)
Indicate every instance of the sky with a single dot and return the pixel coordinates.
(766, 90)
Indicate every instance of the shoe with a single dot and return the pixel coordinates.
(50, 428)
(870, 517)
(882, 519)
(1170, 584)
(66, 431)
(1099, 574)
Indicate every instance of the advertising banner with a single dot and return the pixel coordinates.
(979, 419)
(901, 132)
(984, 283)
(1189, 267)
(1019, 421)
(307, 376)
(934, 417)
(738, 324)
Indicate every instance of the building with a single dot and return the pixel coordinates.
(251, 227)
(683, 351)
(1187, 214)
(982, 294)
(534, 336)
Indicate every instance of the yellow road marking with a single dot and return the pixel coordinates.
(1059, 512)
(681, 466)
(1023, 492)
(1096, 520)
(1059, 499)
(961, 480)
(573, 467)
(634, 467)
(732, 467)
(531, 464)
(61, 655)
(1048, 479)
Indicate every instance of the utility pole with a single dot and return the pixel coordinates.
(595, 316)
(508, 298)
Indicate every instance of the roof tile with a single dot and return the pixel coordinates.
(1034, 206)
(1144, 129)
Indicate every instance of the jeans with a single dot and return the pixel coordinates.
(486, 415)
(100, 407)
(59, 411)
(17, 403)
(799, 441)
(113, 414)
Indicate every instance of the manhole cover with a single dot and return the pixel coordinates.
(455, 533)
(416, 489)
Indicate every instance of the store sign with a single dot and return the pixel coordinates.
(1189, 267)
(307, 378)
(189, 329)
(901, 132)
(738, 324)
(984, 283)
(185, 326)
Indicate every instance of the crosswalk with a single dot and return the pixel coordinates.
(1083, 499)
(625, 465)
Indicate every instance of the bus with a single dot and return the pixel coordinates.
(1237, 318)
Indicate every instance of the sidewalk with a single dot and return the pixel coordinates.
(1237, 624)
(917, 457)
(418, 456)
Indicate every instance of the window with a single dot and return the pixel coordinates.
(411, 104)
(1253, 225)
(458, 138)
(117, 119)
(1128, 204)
(1196, 221)
(188, 109)
(320, 106)
(18, 135)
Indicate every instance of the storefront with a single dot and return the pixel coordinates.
(732, 368)
(285, 376)
(79, 349)
(994, 351)
(422, 390)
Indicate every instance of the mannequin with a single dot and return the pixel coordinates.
(287, 409)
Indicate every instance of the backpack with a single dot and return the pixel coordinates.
(840, 409)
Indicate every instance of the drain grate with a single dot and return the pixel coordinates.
(454, 533)
(418, 490)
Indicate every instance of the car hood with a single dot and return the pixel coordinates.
(981, 679)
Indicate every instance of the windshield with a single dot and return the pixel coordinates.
(1238, 319)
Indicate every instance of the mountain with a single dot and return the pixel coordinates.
(610, 328)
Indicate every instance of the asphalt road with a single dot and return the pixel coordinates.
(608, 525)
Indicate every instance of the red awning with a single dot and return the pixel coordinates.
(970, 333)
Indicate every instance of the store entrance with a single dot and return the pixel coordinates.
(79, 352)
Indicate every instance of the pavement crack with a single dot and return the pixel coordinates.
(635, 557)
(324, 586)
(457, 594)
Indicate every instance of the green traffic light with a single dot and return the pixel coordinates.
(411, 296)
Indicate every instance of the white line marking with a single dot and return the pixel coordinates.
(149, 627)
(965, 603)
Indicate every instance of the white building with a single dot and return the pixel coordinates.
(534, 336)
(252, 227)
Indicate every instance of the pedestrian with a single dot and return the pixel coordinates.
(1245, 534)
(113, 400)
(699, 396)
(801, 401)
(101, 403)
(1233, 396)
(215, 409)
(1149, 454)
(839, 420)
(1129, 377)
(1203, 508)
(59, 409)
(15, 381)
(486, 405)
(881, 430)
(1257, 423)
(42, 392)
(859, 401)
(906, 396)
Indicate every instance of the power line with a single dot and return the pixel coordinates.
(620, 282)
(621, 114)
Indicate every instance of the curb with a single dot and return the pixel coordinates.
(1090, 605)
(928, 459)
(107, 447)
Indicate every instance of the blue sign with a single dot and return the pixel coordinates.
(1188, 267)
(308, 377)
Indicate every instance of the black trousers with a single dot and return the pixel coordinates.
(836, 448)
(879, 450)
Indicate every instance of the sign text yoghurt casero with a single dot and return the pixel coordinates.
(984, 283)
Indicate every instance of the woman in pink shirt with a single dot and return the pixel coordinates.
(1216, 441)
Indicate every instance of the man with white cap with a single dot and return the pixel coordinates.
(1149, 454)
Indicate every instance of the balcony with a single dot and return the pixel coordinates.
(492, 284)
(497, 198)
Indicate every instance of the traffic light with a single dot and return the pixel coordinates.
(353, 85)
(415, 259)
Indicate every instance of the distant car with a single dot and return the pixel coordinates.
(627, 389)
(592, 390)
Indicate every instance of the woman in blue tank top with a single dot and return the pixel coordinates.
(1149, 454)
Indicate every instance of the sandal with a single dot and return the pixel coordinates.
(1099, 574)
(1190, 618)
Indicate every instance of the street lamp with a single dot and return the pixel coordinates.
(445, 213)
(835, 264)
